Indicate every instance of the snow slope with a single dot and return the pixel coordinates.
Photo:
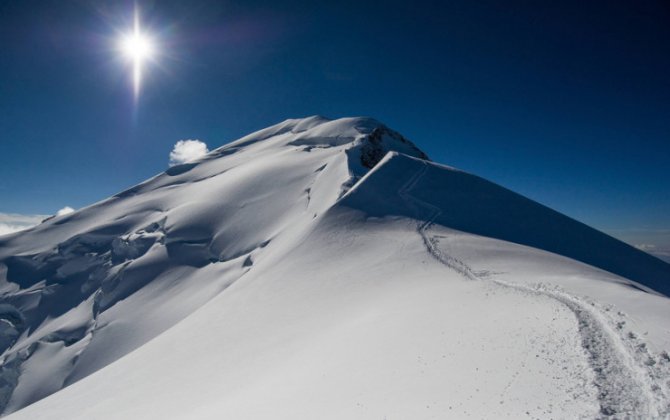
(304, 271)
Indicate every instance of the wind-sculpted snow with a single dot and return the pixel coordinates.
(328, 270)
(216, 214)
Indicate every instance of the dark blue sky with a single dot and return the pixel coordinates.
(565, 102)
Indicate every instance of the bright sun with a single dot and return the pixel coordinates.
(137, 47)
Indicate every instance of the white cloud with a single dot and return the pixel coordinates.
(655, 241)
(65, 210)
(659, 251)
(187, 151)
(7, 228)
(646, 247)
(10, 223)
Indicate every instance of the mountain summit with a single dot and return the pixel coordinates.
(328, 269)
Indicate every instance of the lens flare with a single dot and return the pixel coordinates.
(137, 47)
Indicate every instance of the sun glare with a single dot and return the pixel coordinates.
(137, 47)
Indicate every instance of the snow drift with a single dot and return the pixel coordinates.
(328, 269)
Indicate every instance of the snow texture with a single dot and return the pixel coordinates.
(327, 269)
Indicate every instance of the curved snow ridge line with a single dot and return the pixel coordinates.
(625, 388)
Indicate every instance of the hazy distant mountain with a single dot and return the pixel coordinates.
(328, 269)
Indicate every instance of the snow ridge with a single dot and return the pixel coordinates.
(628, 381)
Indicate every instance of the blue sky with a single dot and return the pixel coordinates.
(565, 102)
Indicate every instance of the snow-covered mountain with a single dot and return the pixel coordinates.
(328, 269)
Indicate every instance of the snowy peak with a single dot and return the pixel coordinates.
(182, 236)
(372, 137)
(86, 289)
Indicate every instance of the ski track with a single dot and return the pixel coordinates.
(630, 381)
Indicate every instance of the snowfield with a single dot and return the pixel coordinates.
(327, 269)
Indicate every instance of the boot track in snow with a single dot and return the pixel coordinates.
(629, 380)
